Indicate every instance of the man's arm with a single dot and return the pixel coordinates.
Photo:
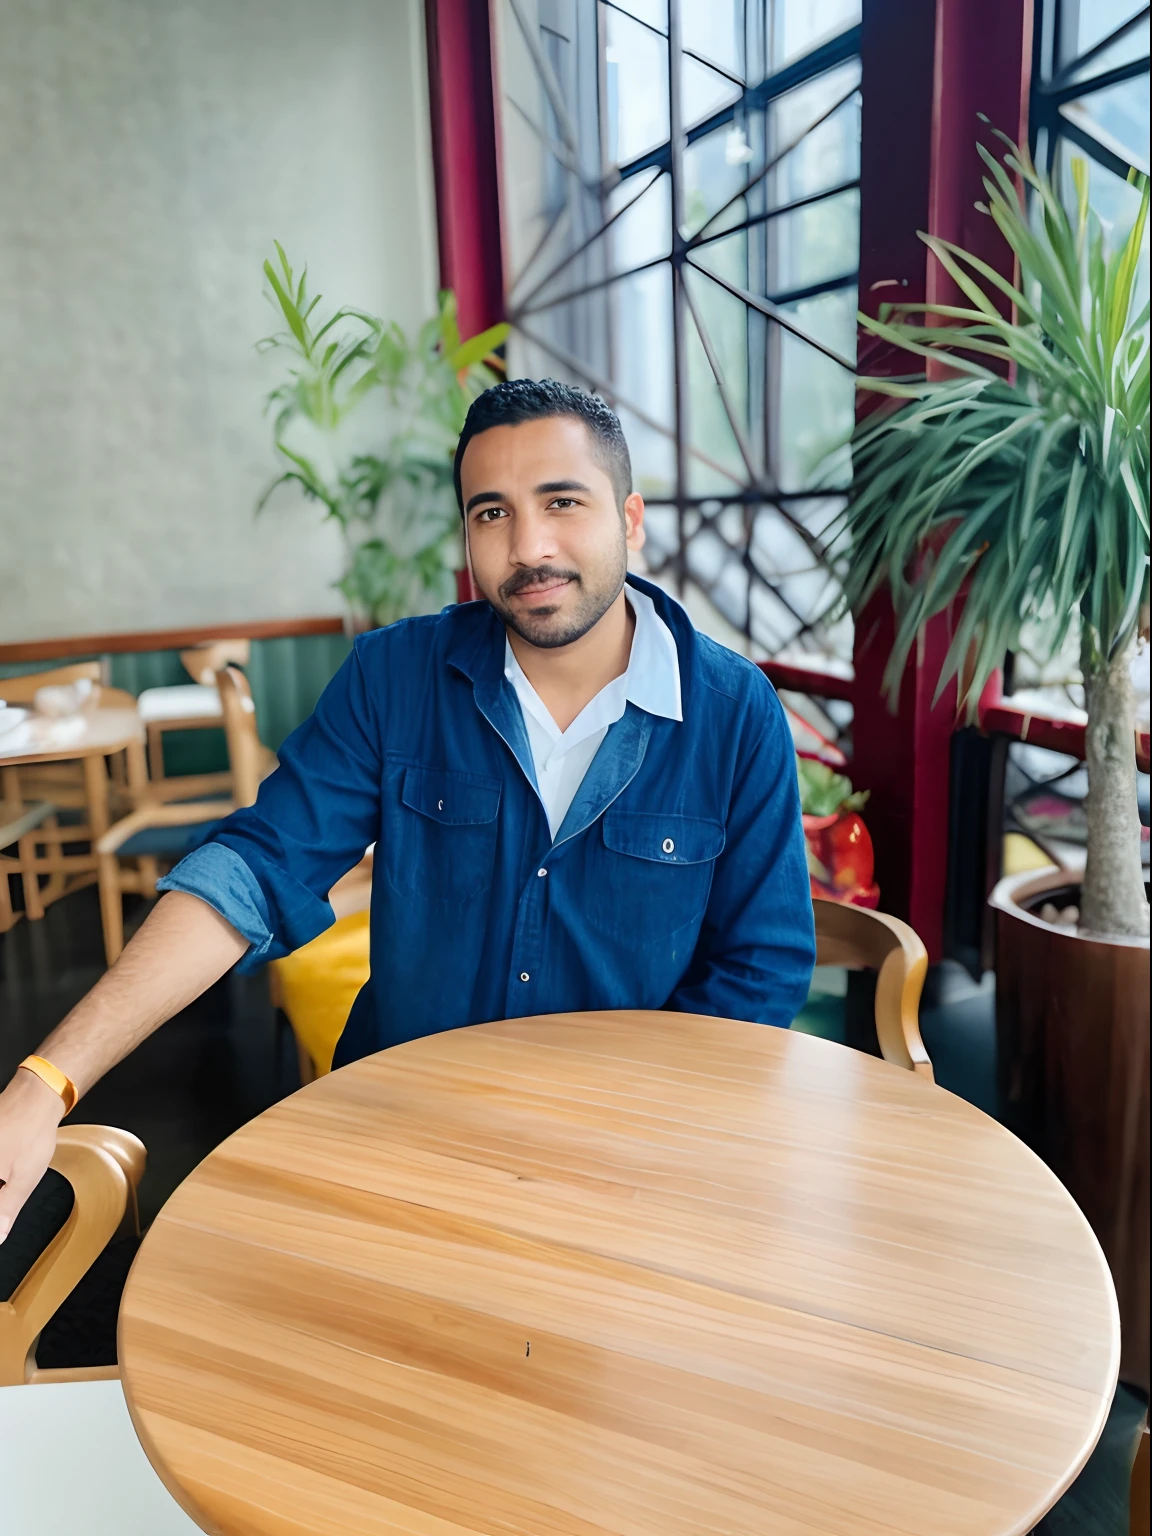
(757, 943)
(178, 953)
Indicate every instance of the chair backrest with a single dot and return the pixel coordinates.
(103, 1165)
(859, 939)
(20, 690)
(245, 754)
(202, 662)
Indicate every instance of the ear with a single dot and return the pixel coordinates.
(634, 534)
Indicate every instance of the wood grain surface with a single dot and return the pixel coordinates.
(645, 1274)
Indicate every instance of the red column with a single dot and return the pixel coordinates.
(464, 156)
(927, 72)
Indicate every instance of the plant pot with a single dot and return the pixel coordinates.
(840, 859)
(1072, 1028)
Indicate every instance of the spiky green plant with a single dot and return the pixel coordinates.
(395, 504)
(1031, 490)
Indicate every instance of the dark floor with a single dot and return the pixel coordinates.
(227, 1057)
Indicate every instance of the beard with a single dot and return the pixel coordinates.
(546, 627)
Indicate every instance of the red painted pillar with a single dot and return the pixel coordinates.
(462, 107)
(927, 72)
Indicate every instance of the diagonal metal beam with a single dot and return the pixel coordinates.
(725, 399)
(838, 50)
(584, 245)
(547, 77)
(592, 287)
(605, 387)
(558, 151)
(776, 158)
(766, 307)
(1062, 76)
(773, 213)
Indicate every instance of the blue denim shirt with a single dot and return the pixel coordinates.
(677, 879)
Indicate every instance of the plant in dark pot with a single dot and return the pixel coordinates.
(1013, 482)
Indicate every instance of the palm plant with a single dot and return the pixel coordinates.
(1016, 477)
(395, 504)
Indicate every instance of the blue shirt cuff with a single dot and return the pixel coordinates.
(219, 876)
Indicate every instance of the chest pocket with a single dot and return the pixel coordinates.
(440, 843)
(657, 872)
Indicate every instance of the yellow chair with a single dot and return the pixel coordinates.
(316, 985)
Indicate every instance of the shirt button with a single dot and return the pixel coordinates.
(540, 873)
(668, 845)
(524, 976)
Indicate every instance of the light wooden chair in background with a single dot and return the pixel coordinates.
(72, 1462)
(190, 706)
(164, 829)
(858, 939)
(19, 825)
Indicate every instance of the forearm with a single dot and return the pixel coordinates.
(182, 948)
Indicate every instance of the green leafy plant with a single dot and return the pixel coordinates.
(1029, 492)
(394, 499)
(824, 792)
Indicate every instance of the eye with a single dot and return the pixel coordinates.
(562, 503)
(490, 514)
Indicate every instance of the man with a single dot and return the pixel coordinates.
(577, 801)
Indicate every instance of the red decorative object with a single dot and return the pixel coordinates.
(840, 859)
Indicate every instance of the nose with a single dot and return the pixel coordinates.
(533, 539)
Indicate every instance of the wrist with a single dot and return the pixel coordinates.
(33, 1091)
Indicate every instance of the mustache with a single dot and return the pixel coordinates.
(530, 577)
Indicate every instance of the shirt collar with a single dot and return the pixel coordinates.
(652, 678)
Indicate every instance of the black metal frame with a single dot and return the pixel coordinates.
(1053, 88)
(530, 299)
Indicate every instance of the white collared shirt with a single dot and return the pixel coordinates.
(651, 682)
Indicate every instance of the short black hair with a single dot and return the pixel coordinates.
(513, 401)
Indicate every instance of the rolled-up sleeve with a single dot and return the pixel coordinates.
(757, 945)
(268, 868)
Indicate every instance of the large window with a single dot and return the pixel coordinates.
(1089, 100)
(681, 208)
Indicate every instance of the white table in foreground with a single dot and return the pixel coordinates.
(645, 1274)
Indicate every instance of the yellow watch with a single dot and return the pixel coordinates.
(58, 1081)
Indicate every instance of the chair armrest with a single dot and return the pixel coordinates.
(163, 816)
(899, 984)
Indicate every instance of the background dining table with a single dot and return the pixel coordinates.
(647, 1274)
(88, 738)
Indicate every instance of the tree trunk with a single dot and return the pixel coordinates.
(1112, 899)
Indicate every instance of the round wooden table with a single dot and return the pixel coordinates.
(645, 1274)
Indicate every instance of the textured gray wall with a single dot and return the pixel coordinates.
(150, 151)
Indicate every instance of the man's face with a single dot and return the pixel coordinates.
(547, 541)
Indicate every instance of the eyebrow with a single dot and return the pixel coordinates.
(474, 501)
(547, 488)
(555, 487)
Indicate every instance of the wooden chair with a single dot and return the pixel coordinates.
(190, 706)
(104, 1167)
(164, 829)
(858, 939)
(63, 783)
(71, 1458)
(20, 824)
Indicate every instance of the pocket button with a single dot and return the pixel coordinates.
(668, 845)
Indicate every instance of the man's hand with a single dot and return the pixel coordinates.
(30, 1113)
(184, 947)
